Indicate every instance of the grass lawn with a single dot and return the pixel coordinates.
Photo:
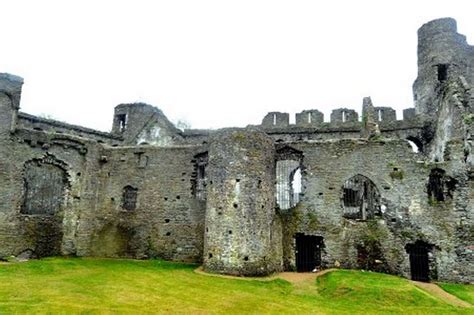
(463, 291)
(79, 285)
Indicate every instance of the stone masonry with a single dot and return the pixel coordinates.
(362, 191)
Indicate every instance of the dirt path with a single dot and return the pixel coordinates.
(293, 277)
(298, 277)
(436, 291)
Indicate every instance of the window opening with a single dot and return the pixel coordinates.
(343, 116)
(416, 144)
(440, 186)
(288, 187)
(129, 198)
(379, 112)
(45, 186)
(122, 122)
(442, 72)
(199, 177)
(309, 118)
(274, 119)
(435, 185)
(361, 198)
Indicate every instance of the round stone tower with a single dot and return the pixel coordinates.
(443, 54)
(243, 233)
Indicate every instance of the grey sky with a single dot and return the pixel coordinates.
(215, 63)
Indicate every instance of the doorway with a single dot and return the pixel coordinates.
(419, 262)
(308, 252)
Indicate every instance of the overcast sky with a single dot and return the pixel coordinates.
(215, 63)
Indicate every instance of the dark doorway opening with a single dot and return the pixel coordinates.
(419, 262)
(308, 252)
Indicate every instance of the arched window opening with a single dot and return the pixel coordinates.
(122, 122)
(440, 186)
(288, 177)
(129, 198)
(416, 144)
(45, 182)
(288, 186)
(361, 198)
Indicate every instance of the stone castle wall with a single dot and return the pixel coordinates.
(147, 189)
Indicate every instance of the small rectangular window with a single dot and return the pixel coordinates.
(442, 72)
(129, 198)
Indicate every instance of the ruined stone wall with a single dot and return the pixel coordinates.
(407, 214)
(48, 227)
(149, 190)
(30, 122)
(165, 220)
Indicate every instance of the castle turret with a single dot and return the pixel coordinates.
(443, 54)
(243, 233)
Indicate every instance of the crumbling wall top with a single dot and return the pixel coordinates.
(11, 85)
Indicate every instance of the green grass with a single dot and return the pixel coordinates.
(59, 285)
(463, 291)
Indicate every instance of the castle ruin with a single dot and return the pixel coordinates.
(362, 191)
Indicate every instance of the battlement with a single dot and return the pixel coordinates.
(340, 118)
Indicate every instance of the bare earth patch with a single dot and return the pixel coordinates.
(293, 277)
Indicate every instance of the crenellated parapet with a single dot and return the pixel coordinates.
(340, 119)
(385, 114)
(310, 118)
(276, 119)
(344, 115)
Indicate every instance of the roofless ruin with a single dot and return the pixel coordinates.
(252, 201)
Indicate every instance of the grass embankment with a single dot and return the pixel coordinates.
(462, 291)
(58, 285)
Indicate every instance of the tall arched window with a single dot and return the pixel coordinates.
(360, 198)
(288, 177)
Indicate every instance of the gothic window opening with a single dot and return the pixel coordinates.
(361, 198)
(442, 72)
(129, 198)
(45, 182)
(199, 176)
(288, 187)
